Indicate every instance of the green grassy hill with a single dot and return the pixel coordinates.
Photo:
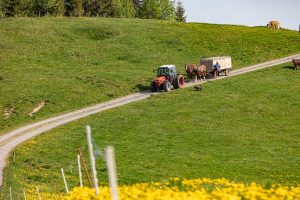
(243, 128)
(74, 62)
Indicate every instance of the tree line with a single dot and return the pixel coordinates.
(149, 9)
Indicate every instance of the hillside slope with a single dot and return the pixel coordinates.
(243, 128)
(69, 63)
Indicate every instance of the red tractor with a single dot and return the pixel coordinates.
(167, 79)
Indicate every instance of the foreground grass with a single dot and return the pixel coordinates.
(70, 63)
(244, 128)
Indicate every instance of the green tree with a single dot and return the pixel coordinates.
(180, 12)
(10, 7)
(137, 7)
(94, 7)
(1, 9)
(56, 7)
(167, 10)
(78, 10)
(99, 7)
(158, 9)
(129, 9)
(25, 8)
(124, 8)
(87, 7)
(108, 9)
(149, 9)
(137, 3)
(39, 7)
(69, 7)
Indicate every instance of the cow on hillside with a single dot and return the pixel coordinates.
(274, 25)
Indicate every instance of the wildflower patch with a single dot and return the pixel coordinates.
(191, 189)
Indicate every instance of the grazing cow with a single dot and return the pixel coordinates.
(296, 63)
(274, 25)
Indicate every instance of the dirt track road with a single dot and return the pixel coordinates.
(11, 139)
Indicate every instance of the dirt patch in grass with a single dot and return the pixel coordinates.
(37, 108)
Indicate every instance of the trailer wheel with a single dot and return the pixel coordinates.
(227, 72)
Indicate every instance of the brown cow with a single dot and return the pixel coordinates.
(274, 25)
(202, 69)
(296, 63)
(193, 71)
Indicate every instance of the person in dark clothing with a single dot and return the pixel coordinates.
(217, 69)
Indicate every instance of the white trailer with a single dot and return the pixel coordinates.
(224, 62)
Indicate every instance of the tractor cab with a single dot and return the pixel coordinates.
(167, 70)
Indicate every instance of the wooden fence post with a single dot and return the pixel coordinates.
(85, 169)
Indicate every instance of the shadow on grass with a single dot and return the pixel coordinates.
(289, 67)
(141, 87)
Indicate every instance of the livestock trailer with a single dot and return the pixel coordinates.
(224, 62)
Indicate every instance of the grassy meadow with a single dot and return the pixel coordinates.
(70, 63)
(243, 128)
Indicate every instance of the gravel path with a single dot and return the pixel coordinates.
(11, 139)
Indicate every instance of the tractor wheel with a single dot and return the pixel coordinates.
(167, 86)
(179, 82)
(153, 87)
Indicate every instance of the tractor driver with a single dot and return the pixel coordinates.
(163, 72)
